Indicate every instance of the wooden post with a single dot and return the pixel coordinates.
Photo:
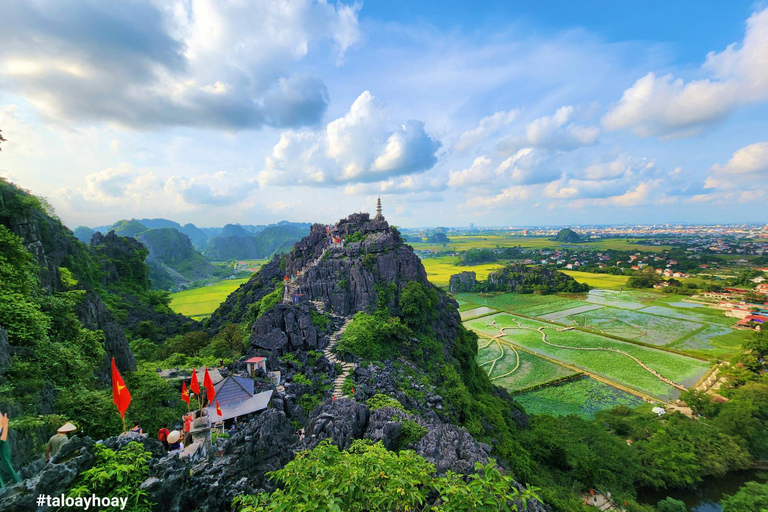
(123, 418)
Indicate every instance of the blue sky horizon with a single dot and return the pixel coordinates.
(519, 113)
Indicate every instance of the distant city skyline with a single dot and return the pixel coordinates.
(511, 115)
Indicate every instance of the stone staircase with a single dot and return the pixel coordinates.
(290, 287)
(346, 368)
(319, 306)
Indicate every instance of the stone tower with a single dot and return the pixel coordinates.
(379, 216)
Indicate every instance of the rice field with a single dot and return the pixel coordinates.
(610, 365)
(440, 270)
(582, 397)
(199, 303)
(605, 281)
(506, 370)
(524, 304)
(466, 242)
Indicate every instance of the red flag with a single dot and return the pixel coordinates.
(121, 397)
(208, 383)
(194, 386)
(185, 393)
(218, 409)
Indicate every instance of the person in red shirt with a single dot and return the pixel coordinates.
(187, 427)
(162, 435)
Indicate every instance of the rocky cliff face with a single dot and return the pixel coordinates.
(462, 282)
(346, 276)
(54, 246)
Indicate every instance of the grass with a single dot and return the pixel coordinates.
(605, 281)
(582, 397)
(531, 371)
(440, 270)
(199, 303)
(610, 365)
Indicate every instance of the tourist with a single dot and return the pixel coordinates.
(162, 435)
(187, 426)
(174, 442)
(136, 428)
(57, 441)
(5, 452)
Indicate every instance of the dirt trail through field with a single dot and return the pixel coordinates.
(603, 349)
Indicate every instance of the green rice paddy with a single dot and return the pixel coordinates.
(199, 303)
(582, 397)
(610, 365)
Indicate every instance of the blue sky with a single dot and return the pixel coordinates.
(513, 113)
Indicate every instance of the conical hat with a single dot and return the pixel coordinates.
(173, 436)
(67, 427)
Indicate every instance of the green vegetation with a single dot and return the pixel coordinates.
(370, 478)
(567, 235)
(199, 303)
(379, 401)
(594, 280)
(611, 365)
(582, 397)
(477, 257)
(117, 475)
(752, 497)
(524, 304)
(530, 279)
(410, 434)
(531, 370)
(264, 244)
(373, 337)
(439, 270)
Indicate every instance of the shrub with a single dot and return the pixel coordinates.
(410, 433)
(300, 378)
(379, 401)
(373, 337)
(370, 478)
(117, 474)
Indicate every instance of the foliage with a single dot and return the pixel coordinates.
(410, 433)
(300, 378)
(188, 344)
(267, 302)
(357, 236)
(372, 337)
(752, 497)
(369, 478)
(417, 306)
(530, 279)
(218, 435)
(477, 257)
(671, 505)
(645, 279)
(320, 320)
(117, 474)
(379, 401)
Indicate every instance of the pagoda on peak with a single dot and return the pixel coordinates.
(379, 216)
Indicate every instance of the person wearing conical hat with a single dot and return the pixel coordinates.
(58, 440)
(174, 442)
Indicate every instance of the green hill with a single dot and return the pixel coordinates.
(567, 235)
(263, 244)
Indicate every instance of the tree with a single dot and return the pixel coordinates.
(752, 497)
(671, 505)
(2, 139)
(699, 402)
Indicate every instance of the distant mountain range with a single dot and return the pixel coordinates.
(180, 255)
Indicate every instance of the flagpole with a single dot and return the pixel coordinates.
(123, 418)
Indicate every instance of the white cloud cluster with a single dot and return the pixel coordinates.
(359, 147)
(125, 185)
(746, 170)
(669, 106)
(207, 63)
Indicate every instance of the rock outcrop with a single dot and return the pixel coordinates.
(94, 315)
(462, 282)
(285, 328)
(452, 448)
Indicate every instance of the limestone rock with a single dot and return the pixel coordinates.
(462, 282)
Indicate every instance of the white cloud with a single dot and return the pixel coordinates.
(746, 165)
(358, 147)
(488, 126)
(668, 106)
(209, 63)
(557, 132)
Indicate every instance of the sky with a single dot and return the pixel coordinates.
(501, 113)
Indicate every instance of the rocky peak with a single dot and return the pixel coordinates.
(347, 276)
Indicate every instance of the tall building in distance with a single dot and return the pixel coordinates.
(471, 225)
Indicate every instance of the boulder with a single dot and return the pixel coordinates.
(452, 448)
(342, 421)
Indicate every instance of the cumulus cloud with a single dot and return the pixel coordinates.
(669, 106)
(488, 126)
(744, 167)
(206, 63)
(125, 185)
(553, 133)
(359, 147)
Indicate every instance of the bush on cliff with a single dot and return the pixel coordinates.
(373, 337)
(368, 477)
